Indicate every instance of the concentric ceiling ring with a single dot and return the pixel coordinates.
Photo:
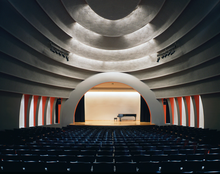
(113, 9)
(85, 16)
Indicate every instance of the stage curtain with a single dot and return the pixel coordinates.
(80, 111)
(145, 113)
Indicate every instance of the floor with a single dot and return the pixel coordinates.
(112, 123)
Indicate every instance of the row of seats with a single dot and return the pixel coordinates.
(108, 148)
(109, 158)
(145, 166)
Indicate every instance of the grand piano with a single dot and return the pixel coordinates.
(126, 115)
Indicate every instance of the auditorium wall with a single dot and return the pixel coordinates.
(211, 104)
(107, 105)
(9, 109)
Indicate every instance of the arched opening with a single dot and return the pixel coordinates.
(106, 100)
(68, 111)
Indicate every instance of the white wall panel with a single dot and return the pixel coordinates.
(201, 113)
(40, 114)
(175, 113)
(21, 113)
(31, 112)
(107, 105)
(48, 113)
(192, 114)
(183, 113)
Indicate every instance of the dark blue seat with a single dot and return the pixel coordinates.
(181, 157)
(125, 167)
(104, 158)
(148, 166)
(173, 166)
(213, 156)
(54, 166)
(171, 151)
(105, 152)
(79, 167)
(196, 156)
(12, 166)
(193, 165)
(160, 157)
(121, 152)
(123, 158)
(87, 152)
(85, 158)
(212, 165)
(141, 157)
(34, 166)
(10, 157)
(137, 151)
(29, 157)
(103, 167)
(154, 152)
(186, 151)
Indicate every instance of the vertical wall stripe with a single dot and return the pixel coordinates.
(183, 112)
(31, 112)
(48, 112)
(179, 99)
(21, 113)
(168, 111)
(192, 113)
(59, 109)
(188, 108)
(196, 98)
(164, 110)
(172, 108)
(26, 101)
(54, 111)
(52, 99)
(40, 113)
(201, 113)
(44, 99)
(35, 108)
(175, 116)
(177, 111)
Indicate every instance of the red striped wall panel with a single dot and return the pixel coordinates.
(26, 100)
(188, 108)
(172, 108)
(35, 108)
(196, 98)
(179, 99)
(44, 99)
(52, 99)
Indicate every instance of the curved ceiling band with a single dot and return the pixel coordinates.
(145, 12)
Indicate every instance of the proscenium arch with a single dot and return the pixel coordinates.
(156, 110)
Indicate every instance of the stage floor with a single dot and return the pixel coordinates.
(111, 123)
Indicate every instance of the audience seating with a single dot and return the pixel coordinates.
(157, 149)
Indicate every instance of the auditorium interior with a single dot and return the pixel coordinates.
(110, 86)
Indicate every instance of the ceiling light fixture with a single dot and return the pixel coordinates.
(60, 51)
(166, 52)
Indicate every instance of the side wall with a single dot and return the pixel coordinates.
(211, 104)
(9, 109)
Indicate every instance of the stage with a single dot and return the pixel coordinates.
(111, 123)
